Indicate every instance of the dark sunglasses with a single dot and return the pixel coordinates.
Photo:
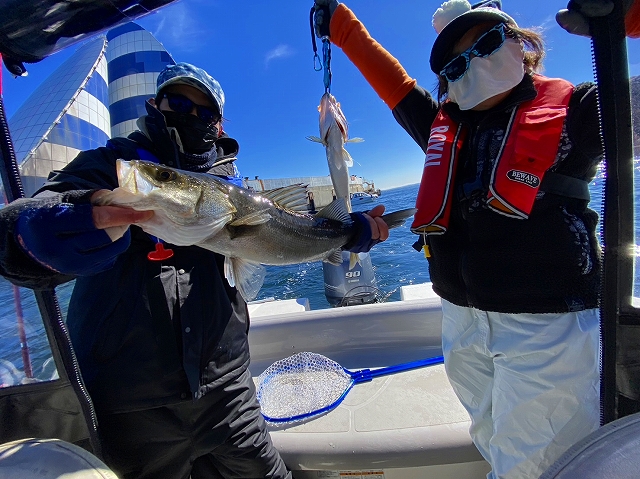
(181, 104)
(488, 43)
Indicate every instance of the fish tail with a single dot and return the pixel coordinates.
(397, 218)
(354, 258)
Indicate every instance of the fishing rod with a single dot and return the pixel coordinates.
(618, 315)
(22, 335)
(604, 22)
(6, 149)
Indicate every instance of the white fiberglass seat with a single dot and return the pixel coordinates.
(50, 459)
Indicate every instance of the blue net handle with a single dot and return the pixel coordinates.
(365, 375)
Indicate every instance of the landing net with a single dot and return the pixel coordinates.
(301, 386)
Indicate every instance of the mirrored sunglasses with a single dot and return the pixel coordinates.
(182, 104)
(488, 43)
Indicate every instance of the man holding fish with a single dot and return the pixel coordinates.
(161, 333)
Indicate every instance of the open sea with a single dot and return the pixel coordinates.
(395, 264)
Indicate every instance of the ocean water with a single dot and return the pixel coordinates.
(395, 264)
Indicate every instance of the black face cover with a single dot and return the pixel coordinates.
(197, 136)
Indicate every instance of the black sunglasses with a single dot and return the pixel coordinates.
(488, 43)
(182, 104)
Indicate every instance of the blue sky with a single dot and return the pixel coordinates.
(261, 53)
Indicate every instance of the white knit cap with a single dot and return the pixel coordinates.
(447, 12)
(455, 17)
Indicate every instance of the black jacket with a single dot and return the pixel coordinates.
(146, 333)
(547, 263)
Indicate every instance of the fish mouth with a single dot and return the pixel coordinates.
(133, 191)
(138, 189)
(130, 179)
(331, 115)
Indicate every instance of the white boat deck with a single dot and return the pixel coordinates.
(405, 425)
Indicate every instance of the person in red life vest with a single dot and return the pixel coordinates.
(504, 222)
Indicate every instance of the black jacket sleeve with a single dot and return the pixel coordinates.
(583, 129)
(15, 264)
(89, 171)
(415, 113)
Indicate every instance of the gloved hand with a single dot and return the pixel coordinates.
(575, 18)
(322, 17)
(370, 230)
(63, 237)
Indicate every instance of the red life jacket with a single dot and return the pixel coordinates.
(528, 151)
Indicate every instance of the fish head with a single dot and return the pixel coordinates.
(331, 116)
(188, 206)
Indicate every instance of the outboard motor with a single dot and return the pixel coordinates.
(346, 287)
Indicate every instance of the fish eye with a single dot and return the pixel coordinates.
(166, 175)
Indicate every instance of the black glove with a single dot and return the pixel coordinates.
(361, 241)
(322, 17)
(63, 238)
(575, 18)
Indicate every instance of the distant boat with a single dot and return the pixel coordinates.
(361, 197)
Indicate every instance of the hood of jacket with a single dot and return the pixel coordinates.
(153, 135)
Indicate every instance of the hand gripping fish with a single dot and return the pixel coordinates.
(333, 135)
(250, 229)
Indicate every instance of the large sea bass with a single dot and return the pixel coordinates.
(250, 229)
(334, 133)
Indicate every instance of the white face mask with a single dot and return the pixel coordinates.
(489, 76)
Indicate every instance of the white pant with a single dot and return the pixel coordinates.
(530, 382)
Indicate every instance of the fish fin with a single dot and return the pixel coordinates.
(253, 219)
(293, 197)
(397, 218)
(315, 139)
(334, 258)
(354, 258)
(246, 277)
(355, 140)
(301, 206)
(116, 232)
(336, 210)
(281, 195)
(346, 157)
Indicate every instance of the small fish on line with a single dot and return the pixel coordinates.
(334, 133)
